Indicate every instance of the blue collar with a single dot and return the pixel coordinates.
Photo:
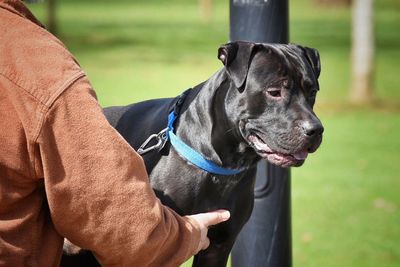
(193, 156)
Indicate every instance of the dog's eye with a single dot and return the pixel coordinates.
(274, 92)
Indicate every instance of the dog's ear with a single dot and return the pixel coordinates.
(236, 58)
(312, 56)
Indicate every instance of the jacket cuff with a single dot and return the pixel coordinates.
(194, 228)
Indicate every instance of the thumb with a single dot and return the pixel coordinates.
(214, 217)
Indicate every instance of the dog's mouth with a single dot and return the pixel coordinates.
(275, 157)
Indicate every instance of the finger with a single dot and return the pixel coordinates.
(215, 217)
(206, 243)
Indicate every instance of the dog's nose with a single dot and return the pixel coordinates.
(312, 129)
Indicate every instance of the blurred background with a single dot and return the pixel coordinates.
(346, 198)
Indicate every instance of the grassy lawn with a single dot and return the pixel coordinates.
(346, 198)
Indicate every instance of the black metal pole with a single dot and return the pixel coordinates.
(266, 238)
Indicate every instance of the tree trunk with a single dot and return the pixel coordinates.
(51, 16)
(205, 10)
(362, 51)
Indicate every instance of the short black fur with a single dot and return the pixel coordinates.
(234, 120)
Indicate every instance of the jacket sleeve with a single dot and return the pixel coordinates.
(98, 190)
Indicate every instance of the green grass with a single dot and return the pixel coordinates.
(346, 198)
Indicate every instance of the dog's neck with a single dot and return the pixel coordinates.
(216, 136)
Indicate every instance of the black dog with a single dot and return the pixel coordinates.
(260, 105)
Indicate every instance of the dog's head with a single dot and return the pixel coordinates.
(275, 90)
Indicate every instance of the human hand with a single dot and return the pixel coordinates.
(205, 220)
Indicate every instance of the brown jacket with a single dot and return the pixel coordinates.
(64, 171)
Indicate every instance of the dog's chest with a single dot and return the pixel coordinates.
(189, 189)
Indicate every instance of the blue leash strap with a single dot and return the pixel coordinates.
(193, 156)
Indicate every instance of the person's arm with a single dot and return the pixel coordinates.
(98, 190)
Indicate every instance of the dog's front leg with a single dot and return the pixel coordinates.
(216, 255)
